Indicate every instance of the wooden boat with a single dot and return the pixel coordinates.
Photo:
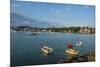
(47, 50)
(72, 51)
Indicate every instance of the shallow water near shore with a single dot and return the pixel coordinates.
(25, 49)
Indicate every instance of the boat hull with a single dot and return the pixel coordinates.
(72, 52)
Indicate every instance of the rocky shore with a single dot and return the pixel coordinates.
(82, 58)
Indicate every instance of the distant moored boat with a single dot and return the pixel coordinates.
(79, 44)
(33, 33)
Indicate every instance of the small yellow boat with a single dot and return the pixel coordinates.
(72, 51)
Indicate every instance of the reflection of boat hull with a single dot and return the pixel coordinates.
(72, 52)
(44, 54)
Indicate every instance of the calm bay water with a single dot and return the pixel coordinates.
(25, 49)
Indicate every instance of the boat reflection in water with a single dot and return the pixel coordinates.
(44, 54)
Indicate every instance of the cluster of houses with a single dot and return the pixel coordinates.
(86, 30)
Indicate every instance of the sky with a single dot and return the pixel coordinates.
(60, 14)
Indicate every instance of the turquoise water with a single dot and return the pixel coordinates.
(25, 49)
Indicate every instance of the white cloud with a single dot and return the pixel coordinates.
(62, 11)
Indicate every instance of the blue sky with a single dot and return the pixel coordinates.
(60, 14)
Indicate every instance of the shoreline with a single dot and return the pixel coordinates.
(89, 57)
(57, 32)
